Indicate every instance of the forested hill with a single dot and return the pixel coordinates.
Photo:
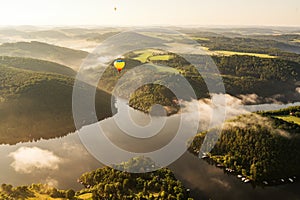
(272, 79)
(262, 147)
(262, 76)
(265, 77)
(287, 50)
(37, 65)
(65, 56)
(36, 105)
(107, 183)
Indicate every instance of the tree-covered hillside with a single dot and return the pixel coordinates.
(36, 105)
(262, 76)
(260, 147)
(107, 183)
(65, 56)
(272, 79)
(37, 65)
(284, 50)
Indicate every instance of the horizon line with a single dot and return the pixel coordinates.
(158, 25)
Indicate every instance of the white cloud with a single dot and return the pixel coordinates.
(28, 159)
(249, 98)
(51, 182)
(213, 112)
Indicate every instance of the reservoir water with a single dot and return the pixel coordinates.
(61, 161)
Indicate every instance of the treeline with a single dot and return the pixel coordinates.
(293, 110)
(147, 96)
(8, 192)
(250, 45)
(258, 147)
(265, 77)
(243, 75)
(286, 38)
(39, 50)
(108, 183)
(258, 68)
(14, 81)
(37, 65)
(35, 105)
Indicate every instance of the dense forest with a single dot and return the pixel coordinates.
(36, 65)
(36, 102)
(39, 50)
(36, 105)
(262, 76)
(272, 79)
(283, 50)
(147, 96)
(108, 183)
(258, 146)
(34, 191)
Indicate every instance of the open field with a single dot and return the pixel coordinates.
(200, 38)
(166, 69)
(86, 196)
(288, 118)
(148, 54)
(38, 196)
(230, 53)
(143, 55)
(161, 57)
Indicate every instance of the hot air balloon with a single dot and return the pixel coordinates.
(119, 64)
(116, 4)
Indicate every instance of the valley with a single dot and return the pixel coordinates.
(259, 150)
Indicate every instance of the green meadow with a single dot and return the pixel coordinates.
(148, 54)
(288, 118)
(230, 53)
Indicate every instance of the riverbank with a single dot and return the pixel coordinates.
(244, 179)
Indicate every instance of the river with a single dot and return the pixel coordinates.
(60, 162)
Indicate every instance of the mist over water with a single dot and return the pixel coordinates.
(70, 159)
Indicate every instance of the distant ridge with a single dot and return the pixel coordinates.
(39, 50)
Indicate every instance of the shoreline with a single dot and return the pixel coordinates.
(244, 179)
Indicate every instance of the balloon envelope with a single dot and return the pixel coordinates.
(119, 64)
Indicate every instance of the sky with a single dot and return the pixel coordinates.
(154, 12)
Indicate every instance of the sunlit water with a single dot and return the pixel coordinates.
(68, 159)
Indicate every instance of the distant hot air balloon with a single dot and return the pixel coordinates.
(119, 64)
(116, 4)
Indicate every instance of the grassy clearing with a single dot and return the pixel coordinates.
(43, 197)
(144, 55)
(230, 53)
(289, 118)
(87, 196)
(200, 38)
(165, 69)
(161, 57)
(297, 41)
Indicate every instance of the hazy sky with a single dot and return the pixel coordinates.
(150, 12)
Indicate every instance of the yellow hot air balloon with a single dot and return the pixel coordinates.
(119, 64)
